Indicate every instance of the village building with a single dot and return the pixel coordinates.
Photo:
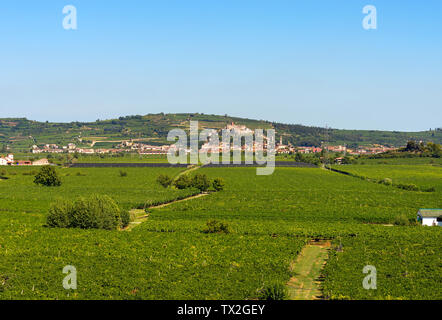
(40, 162)
(430, 217)
(339, 160)
(5, 161)
(22, 163)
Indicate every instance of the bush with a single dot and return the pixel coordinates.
(200, 182)
(183, 182)
(164, 180)
(47, 177)
(401, 220)
(96, 212)
(215, 226)
(59, 213)
(409, 187)
(218, 184)
(429, 189)
(125, 218)
(123, 173)
(273, 292)
(386, 181)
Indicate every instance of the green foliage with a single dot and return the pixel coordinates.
(401, 220)
(47, 177)
(275, 291)
(218, 184)
(123, 173)
(168, 257)
(59, 214)
(409, 186)
(183, 182)
(215, 226)
(197, 181)
(164, 180)
(125, 218)
(200, 182)
(96, 212)
(386, 181)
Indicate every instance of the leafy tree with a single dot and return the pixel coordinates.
(47, 177)
(201, 182)
(164, 180)
(215, 226)
(298, 157)
(218, 184)
(183, 182)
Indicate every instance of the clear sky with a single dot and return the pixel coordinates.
(307, 62)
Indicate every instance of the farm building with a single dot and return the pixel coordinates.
(430, 217)
(6, 160)
(23, 163)
(40, 162)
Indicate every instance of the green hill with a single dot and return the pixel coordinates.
(20, 133)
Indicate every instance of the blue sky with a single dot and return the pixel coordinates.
(307, 62)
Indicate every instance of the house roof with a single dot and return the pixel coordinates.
(430, 212)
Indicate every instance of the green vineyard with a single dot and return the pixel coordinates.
(271, 218)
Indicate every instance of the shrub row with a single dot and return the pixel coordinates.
(197, 181)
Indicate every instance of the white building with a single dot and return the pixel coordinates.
(3, 162)
(430, 217)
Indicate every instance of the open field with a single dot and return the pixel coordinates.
(425, 176)
(169, 257)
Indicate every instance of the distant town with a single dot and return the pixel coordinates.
(141, 148)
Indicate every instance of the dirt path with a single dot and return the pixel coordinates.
(141, 216)
(176, 201)
(304, 285)
(190, 169)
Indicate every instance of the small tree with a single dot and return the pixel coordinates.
(215, 226)
(183, 182)
(47, 177)
(218, 184)
(164, 180)
(201, 182)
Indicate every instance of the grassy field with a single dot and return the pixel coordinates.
(426, 176)
(169, 257)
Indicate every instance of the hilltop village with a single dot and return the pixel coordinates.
(143, 148)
